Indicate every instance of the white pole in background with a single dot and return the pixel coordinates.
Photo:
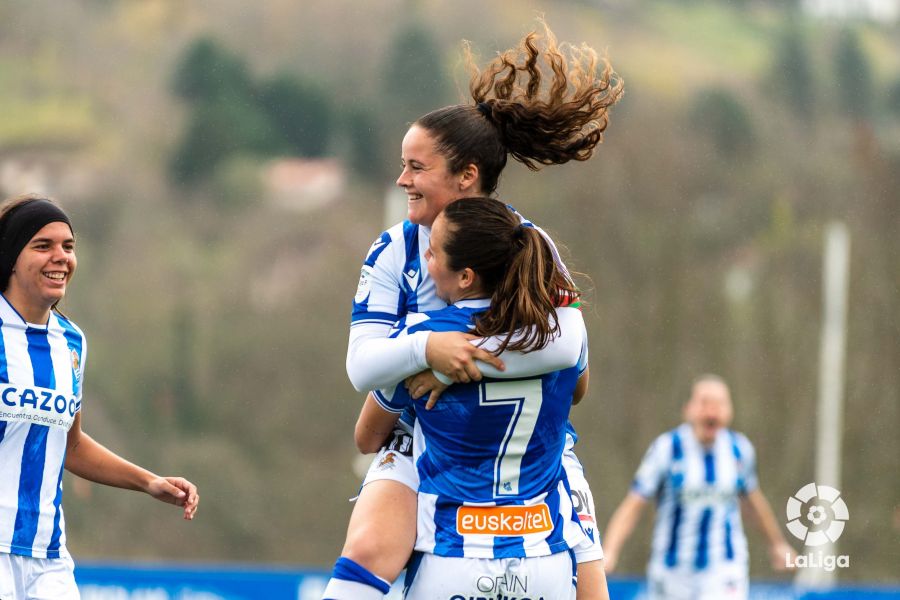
(830, 423)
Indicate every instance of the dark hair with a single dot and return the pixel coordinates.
(537, 124)
(515, 265)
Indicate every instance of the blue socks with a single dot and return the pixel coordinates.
(352, 581)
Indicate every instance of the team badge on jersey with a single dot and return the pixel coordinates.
(76, 360)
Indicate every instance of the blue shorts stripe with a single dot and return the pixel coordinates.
(412, 569)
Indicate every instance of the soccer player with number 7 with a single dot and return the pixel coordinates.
(495, 513)
(449, 154)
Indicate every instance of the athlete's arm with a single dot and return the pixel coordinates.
(373, 426)
(620, 526)
(375, 361)
(87, 458)
(562, 352)
(780, 552)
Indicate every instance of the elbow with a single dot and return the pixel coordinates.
(355, 376)
(366, 440)
(367, 446)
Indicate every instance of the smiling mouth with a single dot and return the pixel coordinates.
(55, 276)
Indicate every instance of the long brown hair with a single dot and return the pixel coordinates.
(517, 112)
(516, 267)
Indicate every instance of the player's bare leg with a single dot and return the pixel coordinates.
(382, 530)
(592, 581)
(380, 539)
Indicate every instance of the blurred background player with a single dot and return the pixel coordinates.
(42, 357)
(701, 474)
(494, 504)
(451, 153)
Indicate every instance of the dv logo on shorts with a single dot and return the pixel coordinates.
(816, 514)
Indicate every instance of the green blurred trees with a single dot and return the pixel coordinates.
(415, 81)
(853, 74)
(793, 73)
(301, 112)
(893, 99)
(231, 114)
(720, 114)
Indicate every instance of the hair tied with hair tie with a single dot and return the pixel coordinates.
(485, 109)
(519, 231)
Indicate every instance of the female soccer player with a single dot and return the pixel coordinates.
(448, 154)
(42, 356)
(495, 513)
(702, 476)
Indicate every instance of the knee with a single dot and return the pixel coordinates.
(365, 543)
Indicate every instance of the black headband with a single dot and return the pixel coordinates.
(18, 227)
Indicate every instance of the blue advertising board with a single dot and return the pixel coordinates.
(237, 582)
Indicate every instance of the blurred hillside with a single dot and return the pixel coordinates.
(216, 306)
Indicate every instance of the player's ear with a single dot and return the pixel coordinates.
(468, 178)
(466, 278)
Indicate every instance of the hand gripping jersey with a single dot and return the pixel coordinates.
(698, 519)
(41, 372)
(488, 457)
(393, 283)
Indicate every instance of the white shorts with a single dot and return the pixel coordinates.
(452, 578)
(394, 462)
(583, 501)
(724, 582)
(27, 578)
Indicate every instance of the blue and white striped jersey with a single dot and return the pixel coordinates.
(41, 373)
(489, 455)
(698, 518)
(394, 280)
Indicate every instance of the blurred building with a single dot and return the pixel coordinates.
(883, 11)
(303, 185)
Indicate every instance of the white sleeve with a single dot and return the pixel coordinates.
(375, 361)
(747, 475)
(562, 352)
